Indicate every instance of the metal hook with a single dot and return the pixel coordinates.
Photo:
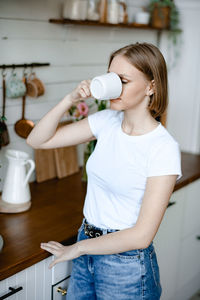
(32, 69)
(3, 72)
(13, 69)
(24, 71)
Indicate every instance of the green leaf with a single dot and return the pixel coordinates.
(3, 118)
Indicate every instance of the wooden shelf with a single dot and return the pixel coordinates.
(120, 25)
(96, 23)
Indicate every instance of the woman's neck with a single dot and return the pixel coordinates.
(138, 123)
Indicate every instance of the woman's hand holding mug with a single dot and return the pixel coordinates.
(107, 86)
(81, 92)
(104, 87)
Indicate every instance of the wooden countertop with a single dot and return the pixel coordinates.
(190, 169)
(56, 214)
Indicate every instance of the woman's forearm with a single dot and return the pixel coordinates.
(116, 242)
(46, 127)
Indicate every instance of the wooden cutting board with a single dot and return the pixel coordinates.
(45, 165)
(66, 158)
(58, 162)
(66, 161)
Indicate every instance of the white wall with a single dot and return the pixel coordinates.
(184, 108)
(77, 52)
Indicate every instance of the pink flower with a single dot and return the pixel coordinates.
(83, 109)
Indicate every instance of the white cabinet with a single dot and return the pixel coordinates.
(177, 244)
(167, 244)
(38, 281)
(189, 260)
(191, 215)
(60, 289)
(188, 277)
(60, 271)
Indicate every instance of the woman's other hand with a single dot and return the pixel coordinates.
(81, 92)
(61, 252)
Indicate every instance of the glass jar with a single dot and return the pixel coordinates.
(93, 10)
(75, 9)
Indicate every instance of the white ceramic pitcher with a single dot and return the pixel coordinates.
(16, 187)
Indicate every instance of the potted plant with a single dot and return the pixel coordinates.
(164, 14)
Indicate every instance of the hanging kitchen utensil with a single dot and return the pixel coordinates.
(15, 87)
(35, 86)
(23, 127)
(4, 135)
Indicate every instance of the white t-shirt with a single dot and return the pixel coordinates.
(119, 166)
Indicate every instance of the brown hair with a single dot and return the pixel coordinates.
(148, 59)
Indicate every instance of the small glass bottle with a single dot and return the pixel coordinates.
(93, 10)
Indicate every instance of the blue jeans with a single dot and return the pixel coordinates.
(131, 275)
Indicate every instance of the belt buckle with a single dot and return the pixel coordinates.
(87, 229)
(91, 232)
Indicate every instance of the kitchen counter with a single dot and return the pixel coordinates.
(56, 214)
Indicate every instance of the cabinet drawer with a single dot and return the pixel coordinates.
(189, 261)
(60, 289)
(11, 293)
(60, 271)
(14, 287)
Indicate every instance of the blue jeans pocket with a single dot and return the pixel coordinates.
(128, 255)
(154, 267)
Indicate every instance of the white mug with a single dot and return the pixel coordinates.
(142, 17)
(72, 9)
(107, 86)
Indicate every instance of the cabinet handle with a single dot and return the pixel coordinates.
(13, 291)
(170, 204)
(63, 291)
(198, 237)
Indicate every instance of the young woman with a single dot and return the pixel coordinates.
(131, 176)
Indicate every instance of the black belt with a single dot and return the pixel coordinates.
(93, 231)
